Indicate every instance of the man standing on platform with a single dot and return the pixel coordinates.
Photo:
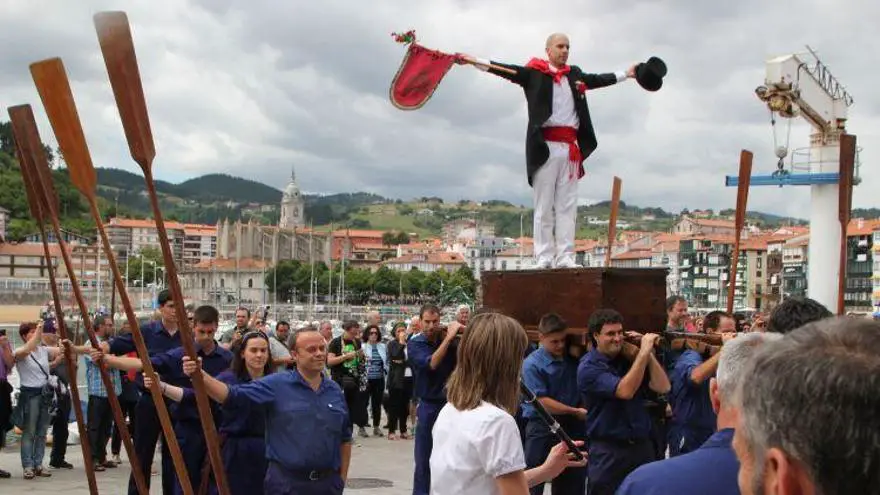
(433, 358)
(613, 390)
(551, 374)
(559, 138)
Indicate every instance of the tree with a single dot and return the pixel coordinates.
(413, 282)
(434, 282)
(463, 279)
(402, 238)
(388, 238)
(386, 281)
(150, 256)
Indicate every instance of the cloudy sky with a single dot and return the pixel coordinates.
(251, 88)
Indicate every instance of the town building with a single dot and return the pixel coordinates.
(292, 205)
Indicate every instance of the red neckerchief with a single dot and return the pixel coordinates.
(544, 66)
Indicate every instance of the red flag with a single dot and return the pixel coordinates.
(418, 77)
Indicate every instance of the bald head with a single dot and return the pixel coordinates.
(557, 49)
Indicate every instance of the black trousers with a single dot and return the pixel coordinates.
(353, 401)
(611, 461)
(128, 408)
(100, 421)
(60, 432)
(147, 431)
(539, 440)
(398, 409)
(375, 391)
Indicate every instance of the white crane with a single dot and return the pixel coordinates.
(795, 87)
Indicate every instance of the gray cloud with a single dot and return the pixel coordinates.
(254, 88)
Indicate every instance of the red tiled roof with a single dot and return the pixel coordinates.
(228, 263)
(635, 254)
(444, 258)
(28, 249)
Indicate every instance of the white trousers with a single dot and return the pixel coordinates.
(554, 188)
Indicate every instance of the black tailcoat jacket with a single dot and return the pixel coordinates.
(538, 88)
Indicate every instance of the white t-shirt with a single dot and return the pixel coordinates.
(472, 448)
(29, 374)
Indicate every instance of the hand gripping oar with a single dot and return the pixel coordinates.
(117, 47)
(54, 88)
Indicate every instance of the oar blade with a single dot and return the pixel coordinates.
(117, 47)
(742, 193)
(18, 116)
(33, 160)
(53, 86)
(847, 176)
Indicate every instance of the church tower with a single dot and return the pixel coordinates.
(292, 205)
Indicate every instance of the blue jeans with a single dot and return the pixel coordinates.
(36, 423)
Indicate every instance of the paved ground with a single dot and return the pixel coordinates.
(383, 465)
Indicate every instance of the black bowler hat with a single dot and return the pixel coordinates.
(650, 74)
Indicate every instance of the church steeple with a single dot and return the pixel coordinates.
(292, 205)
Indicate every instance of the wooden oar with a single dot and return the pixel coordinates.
(847, 173)
(117, 47)
(19, 115)
(42, 181)
(742, 199)
(54, 88)
(612, 219)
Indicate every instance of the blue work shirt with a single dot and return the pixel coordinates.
(169, 366)
(713, 468)
(608, 417)
(430, 385)
(157, 339)
(691, 407)
(305, 428)
(552, 377)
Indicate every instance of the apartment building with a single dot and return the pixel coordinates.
(190, 243)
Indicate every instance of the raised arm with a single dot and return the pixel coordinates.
(595, 81)
(517, 75)
(31, 345)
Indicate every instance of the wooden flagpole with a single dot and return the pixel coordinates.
(37, 211)
(742, 198)
(117, 48)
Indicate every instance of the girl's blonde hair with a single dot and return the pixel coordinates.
(490, 357)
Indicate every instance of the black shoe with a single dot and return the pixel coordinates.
(5, 474)
(61, 465)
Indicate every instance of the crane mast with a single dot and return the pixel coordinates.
(801, 86)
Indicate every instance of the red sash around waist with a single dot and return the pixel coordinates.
(566, 135)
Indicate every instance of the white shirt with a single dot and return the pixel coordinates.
(472, 448)
(29, 373)
(563, 112)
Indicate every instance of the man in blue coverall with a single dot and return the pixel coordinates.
(309, 448)
(693, 418)
(613, 388)
(160, 336)
(433, 358)
(185, 415)
(713, 467)
(551, 374)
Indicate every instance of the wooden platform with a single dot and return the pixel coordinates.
(639, 294)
